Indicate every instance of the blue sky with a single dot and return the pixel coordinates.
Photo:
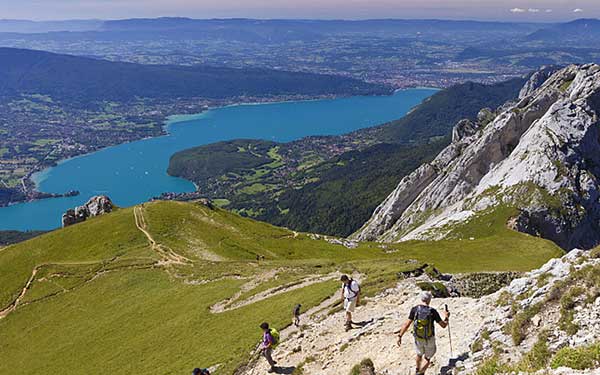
(507, 10)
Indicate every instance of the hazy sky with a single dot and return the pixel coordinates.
(509, 10)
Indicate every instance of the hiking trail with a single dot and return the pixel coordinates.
(330, 350)
(13, 306)
(232, 303)
(168, 256)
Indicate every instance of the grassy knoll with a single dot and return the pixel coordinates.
(103, 300)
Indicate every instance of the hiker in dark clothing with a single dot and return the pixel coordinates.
(267, 345)
(423, 318)
(297, 315)
(350, 298)
(200, 371)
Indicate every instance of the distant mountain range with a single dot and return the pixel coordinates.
(26, 26)
(86, 80)
(579, 31)
(267, 30)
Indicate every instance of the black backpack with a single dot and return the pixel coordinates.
(423, 322)
(349, 287)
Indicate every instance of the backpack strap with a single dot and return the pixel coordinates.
(349, 287)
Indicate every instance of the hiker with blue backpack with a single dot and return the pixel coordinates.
(269, 342)
(423, 318)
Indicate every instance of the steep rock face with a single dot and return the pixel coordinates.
(540, 155)
(536, 80)
(96, 206)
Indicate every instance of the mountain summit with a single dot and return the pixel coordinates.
(533, 164)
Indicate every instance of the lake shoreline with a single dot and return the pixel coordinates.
(136, 173)
(31, 181)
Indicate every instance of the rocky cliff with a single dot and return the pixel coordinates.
(538, 158)
(96, 206)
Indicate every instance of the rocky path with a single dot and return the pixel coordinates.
(326, 349)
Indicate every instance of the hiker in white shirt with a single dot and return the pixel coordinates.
(350, 298)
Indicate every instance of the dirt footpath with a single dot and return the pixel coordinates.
(326, 349)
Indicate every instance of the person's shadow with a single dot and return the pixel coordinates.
(284, 370)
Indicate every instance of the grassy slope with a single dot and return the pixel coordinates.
(156, 319)
(90, 243)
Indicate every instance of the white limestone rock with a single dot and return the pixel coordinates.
(541, 155)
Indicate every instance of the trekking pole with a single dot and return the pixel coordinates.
(449, 334)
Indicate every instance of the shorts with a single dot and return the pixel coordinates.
(349, 304)
(425, 347)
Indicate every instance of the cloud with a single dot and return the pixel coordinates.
(577, 10)
(533, 10)
(548, 10)
(518, 10)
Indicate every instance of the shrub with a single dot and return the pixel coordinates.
(567, 303)
(492, 366)
(364, 364)
(538, 357)
(477, 345)
(504, 299)
(518, 326)
(581, 358)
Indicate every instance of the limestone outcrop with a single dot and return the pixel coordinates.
(96, 206)
(549, 310)
(540, 156)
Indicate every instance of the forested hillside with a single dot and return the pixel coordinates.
(86, 80)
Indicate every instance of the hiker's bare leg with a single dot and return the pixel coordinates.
(426, 365)
(419, 358)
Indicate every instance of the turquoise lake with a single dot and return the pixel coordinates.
(134, 172)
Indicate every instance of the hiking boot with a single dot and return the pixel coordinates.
(271, 370)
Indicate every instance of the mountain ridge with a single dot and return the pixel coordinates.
(535, 156)
(70, 77)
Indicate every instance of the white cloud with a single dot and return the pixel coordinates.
(518, 10)
(577, 10)
(548, 10)
(533, 10)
